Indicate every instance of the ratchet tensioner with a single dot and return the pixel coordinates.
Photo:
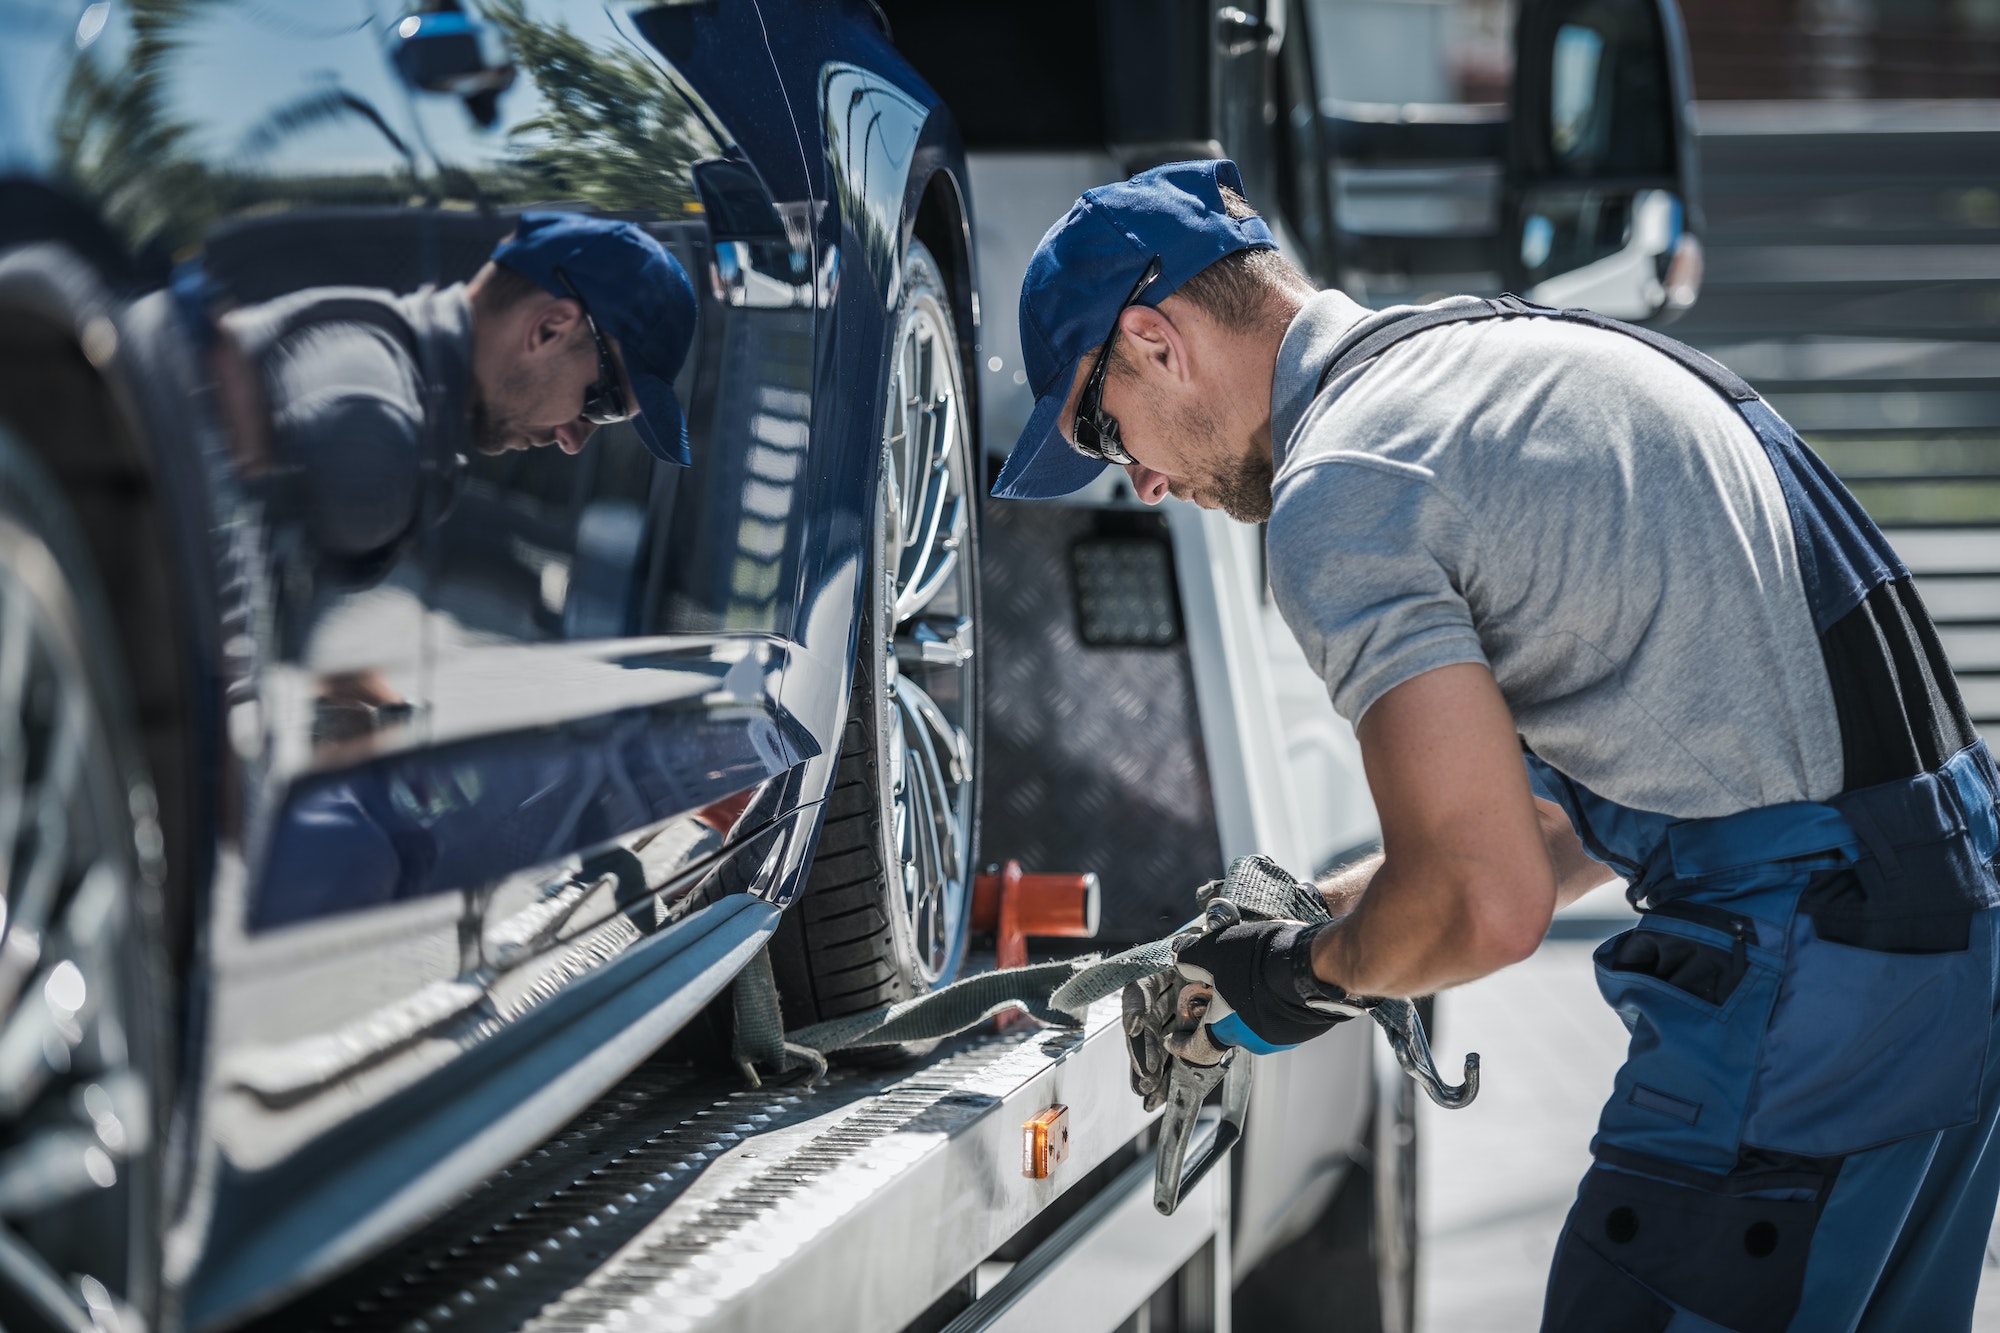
(1217, 1038)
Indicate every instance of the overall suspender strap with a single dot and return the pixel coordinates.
(1371, 337)
(1913, 767)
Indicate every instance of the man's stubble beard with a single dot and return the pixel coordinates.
(487, 435)
(1244, 492)
(498, 428)
(1241, 486)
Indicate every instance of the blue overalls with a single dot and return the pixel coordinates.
(1801, 1136)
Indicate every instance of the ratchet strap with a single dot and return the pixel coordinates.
(1059, 993)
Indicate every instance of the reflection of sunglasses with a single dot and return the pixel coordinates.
(603, 401)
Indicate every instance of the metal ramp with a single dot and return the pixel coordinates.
(879, 1200)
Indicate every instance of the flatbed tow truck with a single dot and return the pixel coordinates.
(876, 1199)
(1005, 1180)
(912, 1196)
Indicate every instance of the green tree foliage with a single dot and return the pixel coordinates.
(611, 130)
(116, 145)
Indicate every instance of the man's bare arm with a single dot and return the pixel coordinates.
(1576, 873)
(1471, 868)
(1344, 887)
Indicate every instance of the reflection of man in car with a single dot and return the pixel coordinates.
(346, 407)
(346, 399)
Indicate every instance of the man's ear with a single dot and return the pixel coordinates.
(1153, 339)
(553, 323)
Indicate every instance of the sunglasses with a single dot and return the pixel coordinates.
(1096, 431)
(603, 401)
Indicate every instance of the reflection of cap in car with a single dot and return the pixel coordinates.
(1088, 261)
(637, 293)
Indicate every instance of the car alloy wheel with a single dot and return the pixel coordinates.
(885, 911)
(928, 661)
(78, 1204)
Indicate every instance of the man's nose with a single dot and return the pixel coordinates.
(1151, 486)
(573, 435)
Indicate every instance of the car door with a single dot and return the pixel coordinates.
(1587, 166)
(1603, 208)
(274, 161)
(610, 632)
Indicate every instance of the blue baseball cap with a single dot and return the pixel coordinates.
(636, 291)
(1080, 273)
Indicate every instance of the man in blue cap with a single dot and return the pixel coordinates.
(1504, 532)
(346, 407)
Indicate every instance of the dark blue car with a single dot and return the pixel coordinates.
(373, 795)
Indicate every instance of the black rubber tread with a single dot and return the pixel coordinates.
(832, 959)
(848, 800)
(841, 957)
(860, 925)
(844, 868)
(836, 951)
(845, 835)
(842, 900)
(858, 976)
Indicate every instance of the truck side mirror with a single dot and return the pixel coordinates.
(1601, 208)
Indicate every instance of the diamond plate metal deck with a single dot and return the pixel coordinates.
(681, 1201)
(1094, 758)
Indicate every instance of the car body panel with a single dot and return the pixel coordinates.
(489, 810)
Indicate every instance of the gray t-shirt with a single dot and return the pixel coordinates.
(1581, 514)
(366, 389)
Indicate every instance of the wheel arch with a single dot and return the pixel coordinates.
(938, 213)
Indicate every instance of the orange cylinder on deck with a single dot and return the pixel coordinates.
(1014, 905)
(1065, 905)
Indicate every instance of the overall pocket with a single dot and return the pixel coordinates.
(1695, 997)
(1867, 1046)
(1731, 1249)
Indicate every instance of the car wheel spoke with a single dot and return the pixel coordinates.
(32, 1297)
(74, 1103)
(55, 1167)
(928, 602)
(934, 841)
(35, 884)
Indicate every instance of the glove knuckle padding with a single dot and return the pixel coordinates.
(1264, 970)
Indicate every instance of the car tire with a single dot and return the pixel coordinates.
(885, 911)
(83, 1070)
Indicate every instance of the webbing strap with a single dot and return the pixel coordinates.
(1058, 993)
(1371, 337)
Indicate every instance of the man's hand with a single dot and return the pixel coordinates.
(1264, 970)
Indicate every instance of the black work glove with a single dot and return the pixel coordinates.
(1263, 969)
